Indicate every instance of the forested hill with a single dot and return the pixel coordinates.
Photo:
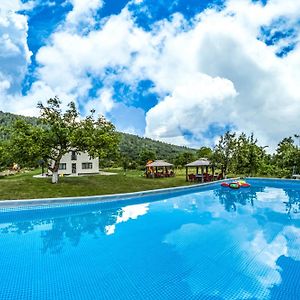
(7, 119)
(131, 146)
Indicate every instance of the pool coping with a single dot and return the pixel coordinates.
(102, 198)
(274, 178)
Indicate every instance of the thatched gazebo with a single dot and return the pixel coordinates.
(203, 164)
(159, 164)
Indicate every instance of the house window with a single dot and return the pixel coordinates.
(62, 166)
(88, 165)
(73, 155)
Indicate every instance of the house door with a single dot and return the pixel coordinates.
(74, 168)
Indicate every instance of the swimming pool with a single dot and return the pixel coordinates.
(212, 243)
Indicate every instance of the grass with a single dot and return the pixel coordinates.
(24, 186)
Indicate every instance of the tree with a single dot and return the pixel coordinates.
(184, 158)
(145, 155)
(240, 154)
(60, 133)
(224, 151)
(255, 155)
(287, 156)
(5, 155)
(204, 152)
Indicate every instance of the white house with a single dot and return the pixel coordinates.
(78, 164)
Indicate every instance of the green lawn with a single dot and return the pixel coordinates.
(24, 186)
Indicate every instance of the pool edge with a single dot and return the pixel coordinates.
(99, 198)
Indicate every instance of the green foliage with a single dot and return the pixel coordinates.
(6, 158)
(204, 152)
(224, 152)
(145, 155)
(248, 157)
(242, 155)
(184, 158)
(59, 133)
(8, 119)
(30, 140)
(131, 146)
(27, 143)
(287, 158)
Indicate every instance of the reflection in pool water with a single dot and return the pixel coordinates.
(215, 244)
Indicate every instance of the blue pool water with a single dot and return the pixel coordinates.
(214, 243)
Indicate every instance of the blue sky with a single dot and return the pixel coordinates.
(182, 71)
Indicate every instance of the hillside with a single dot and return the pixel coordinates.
(7, 119)
(130, 145)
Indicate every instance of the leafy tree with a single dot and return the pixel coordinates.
(184, 158)
(27, 143)
(204, 152)
(61, 133)
(287, 156)
(240, 154)
(255, 154)
(145, 155)
(5, 155)
(224, 151)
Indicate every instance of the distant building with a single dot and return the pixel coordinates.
(78, 164)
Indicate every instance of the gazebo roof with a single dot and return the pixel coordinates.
(159, 163)
(199, 163)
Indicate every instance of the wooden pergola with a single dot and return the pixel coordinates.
(159, 164)
(203, 164)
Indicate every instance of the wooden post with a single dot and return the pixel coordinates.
(186, 174)
(197, 170)
(202, 170)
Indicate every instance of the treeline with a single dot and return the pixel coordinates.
(234, 154)
(134, 151)
(241, 155)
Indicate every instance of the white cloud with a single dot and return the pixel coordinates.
(14, 5)
(215, 71)
(103, 103)
(14, 52)
(224, 44)
(190, 107)
(83, 12)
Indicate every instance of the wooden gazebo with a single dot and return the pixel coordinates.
(159, 164)
(203, 164)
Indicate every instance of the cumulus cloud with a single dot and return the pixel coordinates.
(83, 12)
(14, 51)
(215, 70)
(190, 108)
(225, 44)
(15, 5)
